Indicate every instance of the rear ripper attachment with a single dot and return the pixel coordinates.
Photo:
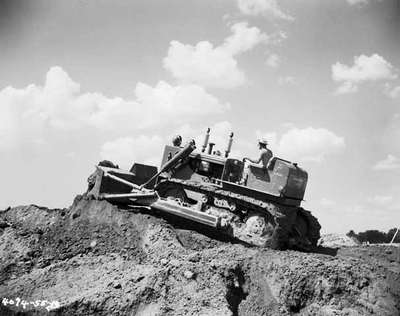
(258, 205)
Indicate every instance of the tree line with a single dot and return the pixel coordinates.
(375, 236)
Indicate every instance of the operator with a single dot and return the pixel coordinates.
(265, 156)
(177, 140)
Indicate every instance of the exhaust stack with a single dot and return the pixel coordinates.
(228, 149)
(203, 149)
(210, 148)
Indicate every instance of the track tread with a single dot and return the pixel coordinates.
(246, 202)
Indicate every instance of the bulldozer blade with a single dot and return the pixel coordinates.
(112, 181)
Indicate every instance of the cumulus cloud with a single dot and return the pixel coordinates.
(243, 39)
(31, 114)
(263, 7)
(389, 163)
(176, 104)
(126, 150)
(212, 66)
(365, 69)
(308, 144)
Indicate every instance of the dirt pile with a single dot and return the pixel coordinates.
(96, 259)
(337, 240)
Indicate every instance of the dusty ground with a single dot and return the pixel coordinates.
(94, 259)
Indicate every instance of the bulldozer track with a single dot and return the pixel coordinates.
(213, 191)
(273, 211)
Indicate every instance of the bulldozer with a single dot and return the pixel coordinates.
(256, 205)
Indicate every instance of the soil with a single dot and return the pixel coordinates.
(94, 258)
(337, 240)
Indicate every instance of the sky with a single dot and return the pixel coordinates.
(82, 81)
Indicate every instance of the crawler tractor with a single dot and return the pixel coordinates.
(255, 204)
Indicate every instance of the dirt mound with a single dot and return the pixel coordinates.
(337, 240)
(96, 259)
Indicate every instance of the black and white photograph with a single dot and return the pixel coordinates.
(200, 157)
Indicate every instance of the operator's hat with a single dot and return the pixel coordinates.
(263, 141)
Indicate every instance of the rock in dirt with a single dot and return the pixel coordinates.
(110, 261)
(188, 274)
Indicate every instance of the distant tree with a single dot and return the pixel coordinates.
(351, 234)
(374, 236)
(390, 235)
